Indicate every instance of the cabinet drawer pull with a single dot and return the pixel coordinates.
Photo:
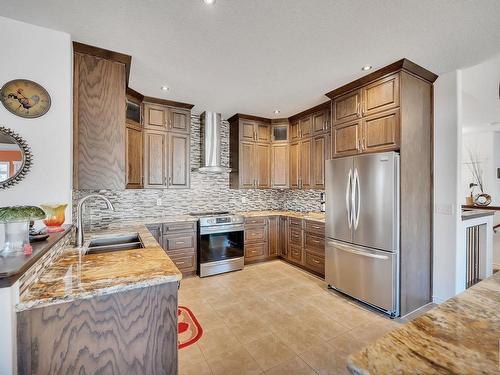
(315, 261)
(179, 263)
(180, 242)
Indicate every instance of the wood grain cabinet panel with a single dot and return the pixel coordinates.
(185, 261)
(315, 262)
(255, 251)
(294, 165)
(247, 165)
(295, 236)
(346, 139)
(283, 241)
(381, 95)
(263, 170)
(263, 132)
(295, 253)
(255, 221)
(99, 123)
(381, 131)
(247, 130)
(320, 122)
(179, 120)
(305, 154)
(177, 241)
(155, 116)
(179, 161)
(128, 332)
(279, 166)
(306, 128)
(294, 131)
(319, 155)
(347, 107)
(256, 234)
(315, 227)
(314, 243)
(133, 156)
(274, 236)
(155, 159)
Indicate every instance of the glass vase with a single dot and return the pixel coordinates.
(13, 236)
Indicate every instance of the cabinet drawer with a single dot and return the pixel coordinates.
(178, 241)
(256, 220)
(179, 227)
(296, 254)
(381, 95)
(315, 227)
(295, 236)
(185, 262)
(314, 243)
(295, 222)
(315, 262)
(255, 251)
(255, 234)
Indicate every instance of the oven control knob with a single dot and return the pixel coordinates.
(211, 221)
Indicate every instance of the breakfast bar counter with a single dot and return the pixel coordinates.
(460, 336)
(75, 276)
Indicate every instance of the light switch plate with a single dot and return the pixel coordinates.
(158, 202)
(243, 200)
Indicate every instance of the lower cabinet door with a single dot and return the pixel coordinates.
(184, 260)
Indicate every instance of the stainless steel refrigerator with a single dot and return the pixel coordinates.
(362, 228)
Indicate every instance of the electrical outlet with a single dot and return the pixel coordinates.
(158, 201)
(243, 200)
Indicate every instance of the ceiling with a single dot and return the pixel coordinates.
(255, 56)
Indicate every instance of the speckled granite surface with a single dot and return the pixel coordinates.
(315, 216)
(74, 276)
(461, 336)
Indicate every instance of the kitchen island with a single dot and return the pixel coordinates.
(460, 336)
(114, 312)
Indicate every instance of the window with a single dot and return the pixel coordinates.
(4, 170)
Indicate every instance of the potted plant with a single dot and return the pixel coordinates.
(14, 227)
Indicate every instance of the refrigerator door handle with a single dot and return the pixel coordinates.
(356, 198)
(348, 195)
(357, 252)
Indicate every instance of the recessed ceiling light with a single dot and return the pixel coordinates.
(165, 88)
(209, 2)
(366, 67)
(277, 111)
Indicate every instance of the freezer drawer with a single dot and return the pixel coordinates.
(365, 274)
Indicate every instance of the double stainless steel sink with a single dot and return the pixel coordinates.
(114, 243)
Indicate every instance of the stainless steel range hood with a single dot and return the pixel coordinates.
(210, 124)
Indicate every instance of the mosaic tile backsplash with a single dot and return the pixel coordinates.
(208, 192)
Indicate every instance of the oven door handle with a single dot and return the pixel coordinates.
(221, 229)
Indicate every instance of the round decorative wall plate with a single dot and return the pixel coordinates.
(25, 98)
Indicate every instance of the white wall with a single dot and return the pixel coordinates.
(44, 56)
(447, 171)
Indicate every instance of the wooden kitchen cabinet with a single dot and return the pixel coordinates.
(98, 121)
(381, 131)
(250, 152)
(306, 129)
(346, 139)
(347, 107)
(262, 170)
(305, 153)
(319, 155)
(256, 239)
(283, 238)
(156, 116)
(380, 95)
(279, 166)
(133, 156)
(320, 122)
(180, 120)
(178, 156)
(294, 130)
(179, 240)
(375, 126)
(155, 158)
(274, 236)
(294, 165)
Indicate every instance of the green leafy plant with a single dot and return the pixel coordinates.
(19, 213)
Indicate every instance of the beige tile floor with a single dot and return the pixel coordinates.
(275, 319)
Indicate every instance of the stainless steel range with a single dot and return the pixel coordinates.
(220, 242)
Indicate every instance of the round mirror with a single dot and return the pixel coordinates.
(15, 158)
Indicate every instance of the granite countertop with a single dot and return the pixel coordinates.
(460, 336)
(74, 276)
(315, 216)
(13, 266)
(154, 220)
